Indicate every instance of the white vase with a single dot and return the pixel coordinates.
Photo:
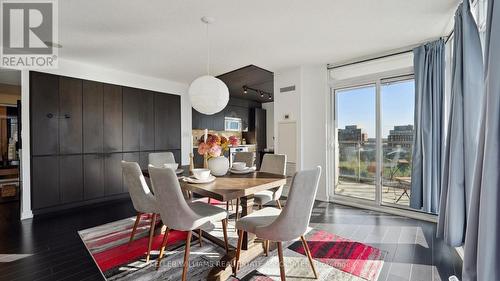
(218, 166)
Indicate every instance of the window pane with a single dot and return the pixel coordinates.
(397, 109)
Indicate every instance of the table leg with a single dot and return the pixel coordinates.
(247, 208)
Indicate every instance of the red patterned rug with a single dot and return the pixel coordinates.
(336, 258)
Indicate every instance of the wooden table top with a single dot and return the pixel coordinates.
(233, 186)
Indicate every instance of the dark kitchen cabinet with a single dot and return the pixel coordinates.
(131, 119)
(147, 121)
(71, 178)
(93, 176)
(218, 121)
(45, 181)
(44, 94)
(113, 182)
(113, 127)
(70, 115)
(167, 122)
(93, 117)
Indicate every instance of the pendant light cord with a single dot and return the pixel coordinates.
(208, 51)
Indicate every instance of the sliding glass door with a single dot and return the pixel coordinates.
(374, 141)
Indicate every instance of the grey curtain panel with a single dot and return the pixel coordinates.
(482, 240)
(459, 159)
(429, 92)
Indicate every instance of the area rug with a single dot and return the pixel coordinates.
(335, 257)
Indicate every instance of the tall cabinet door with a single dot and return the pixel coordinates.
(70, 119)
(167, 122)
(131, 119)
(45, 182)
(93, 176)
(44, 94)
(147, 121)
(113, 126)
(113, 183)
(93, 116)
(71, 178)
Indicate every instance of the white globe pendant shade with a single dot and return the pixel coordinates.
(208, 94)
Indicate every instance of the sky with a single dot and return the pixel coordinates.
(357, 107)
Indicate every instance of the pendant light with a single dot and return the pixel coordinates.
(208, 94)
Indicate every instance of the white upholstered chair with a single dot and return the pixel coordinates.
(157, 159)
(247, 157)
(274, 164)
(272, 224)
(178, 214)
(143, 200)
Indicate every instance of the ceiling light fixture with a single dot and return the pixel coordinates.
(208, 95)
(245, 90)
(260, 92)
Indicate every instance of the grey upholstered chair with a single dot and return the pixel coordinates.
(178, 214)
(157, 159)
(274, 164)
(247, 157)
(272, 224)
(143, 200)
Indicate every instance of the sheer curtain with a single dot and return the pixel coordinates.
(482, 240)
(429, 68)
(460, 153)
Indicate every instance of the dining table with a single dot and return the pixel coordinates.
(226, 188)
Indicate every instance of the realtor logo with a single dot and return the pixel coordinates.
(29, 34)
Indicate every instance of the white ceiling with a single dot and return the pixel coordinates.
(165, 38)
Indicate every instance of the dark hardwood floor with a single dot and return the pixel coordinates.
(49, 248)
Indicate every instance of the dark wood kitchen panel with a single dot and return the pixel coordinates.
(131, 119)
(93, 117)
(147, 121)
(45, 182)
(71, 178)
(44, 95)
(93, 176)
(167, 121)
(113, 127)
(113, 182)
(70, 119)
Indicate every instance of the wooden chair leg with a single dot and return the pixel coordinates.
(134, 229)
(186, 257)
(238, 251)
(162, 249)
(200, 237)
(224, 230)
(237, 215)
(227, 205)
(282, 264)
(308, 252)
(279, 204)
(266, 247)
(151, 233)
(209, 200)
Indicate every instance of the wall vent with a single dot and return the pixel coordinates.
(287, 89)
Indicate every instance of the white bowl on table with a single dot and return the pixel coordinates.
(172, 166)
(239, 166)
(201, 174)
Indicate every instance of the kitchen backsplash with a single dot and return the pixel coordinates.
(197, 134)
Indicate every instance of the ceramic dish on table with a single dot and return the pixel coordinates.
(195, 180)
(247, 170)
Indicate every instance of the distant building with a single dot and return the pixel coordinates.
(352, 134)
(401, 136)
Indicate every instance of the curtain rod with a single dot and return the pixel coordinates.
(400, 52)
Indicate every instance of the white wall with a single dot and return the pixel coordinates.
(106, 75)
(269, 107)
(307, 106)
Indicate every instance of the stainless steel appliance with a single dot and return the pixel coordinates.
(234, 150)
(232, 124)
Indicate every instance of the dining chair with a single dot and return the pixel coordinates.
(249, 159)
(272, 224)
(178, 214)
(274, 164)
(142, 199)
(157, 159)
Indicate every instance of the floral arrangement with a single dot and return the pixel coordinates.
(215, 145)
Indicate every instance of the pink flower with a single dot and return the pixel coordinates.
(203, 148)
(215, 151)
(233, 140)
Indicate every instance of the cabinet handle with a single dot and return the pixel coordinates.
(67, 116)
(50, 115)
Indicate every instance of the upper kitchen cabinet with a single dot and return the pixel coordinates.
(44, 94)
(70, 115)
(131, 119)
(93, 117)
(113, 127)
(168, 121)
(147, 121)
